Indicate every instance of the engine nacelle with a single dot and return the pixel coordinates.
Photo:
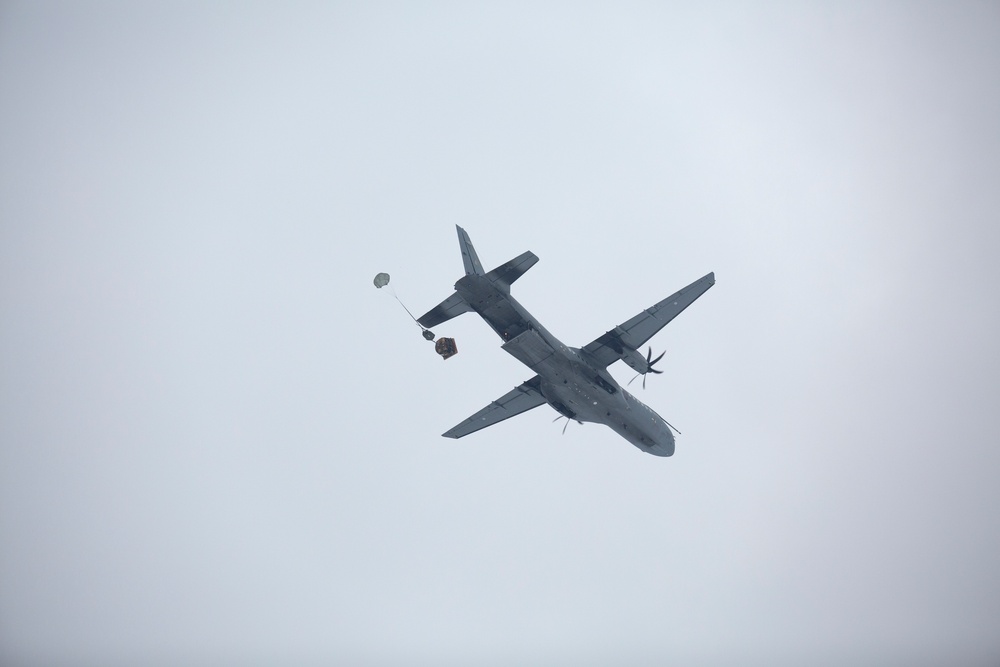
(635, 359)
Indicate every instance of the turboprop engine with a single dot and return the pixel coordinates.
(641, 365)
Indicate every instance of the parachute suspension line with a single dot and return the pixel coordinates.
(382, 280)
(391, 289)
(427, 333)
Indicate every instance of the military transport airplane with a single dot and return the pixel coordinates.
(574, 381)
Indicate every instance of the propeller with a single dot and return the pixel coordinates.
(649, 367)
(567, 422)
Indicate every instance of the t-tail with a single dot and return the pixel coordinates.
(501, 277)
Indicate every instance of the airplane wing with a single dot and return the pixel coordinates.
(520, 399)
(634, 333)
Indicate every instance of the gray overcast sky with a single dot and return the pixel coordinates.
(219, 443)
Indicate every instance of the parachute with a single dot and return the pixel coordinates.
(445, 346)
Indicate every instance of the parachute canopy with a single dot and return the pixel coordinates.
(381, 280)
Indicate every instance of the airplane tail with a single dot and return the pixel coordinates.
(502, 277)
(469, 256)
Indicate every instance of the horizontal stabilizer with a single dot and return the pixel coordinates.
(451, 307)
(522, 398)
(505, 274)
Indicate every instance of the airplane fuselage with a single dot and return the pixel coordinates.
(571, 383)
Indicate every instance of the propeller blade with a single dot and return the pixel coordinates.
(650, 362)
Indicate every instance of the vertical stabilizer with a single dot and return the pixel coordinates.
(469, 256)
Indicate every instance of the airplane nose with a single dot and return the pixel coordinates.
(667, 444)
